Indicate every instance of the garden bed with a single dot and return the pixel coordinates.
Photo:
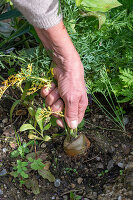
(105, 172)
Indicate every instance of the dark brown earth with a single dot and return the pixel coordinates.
(79, 176)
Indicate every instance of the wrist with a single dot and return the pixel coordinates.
(57, 41)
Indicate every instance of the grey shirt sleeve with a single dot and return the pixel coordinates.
(40, 13)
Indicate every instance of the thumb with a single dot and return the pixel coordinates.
(71, 113)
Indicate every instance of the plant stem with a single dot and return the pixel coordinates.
(69, 131)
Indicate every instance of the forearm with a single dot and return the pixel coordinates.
(57, 40)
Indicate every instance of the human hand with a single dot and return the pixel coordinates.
(69, 73)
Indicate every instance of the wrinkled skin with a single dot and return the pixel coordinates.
(69, 73)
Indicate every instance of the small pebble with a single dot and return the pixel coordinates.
(1, 192)
(43, 145)
(95, 194)
(119, 198)
(100, 166)
(53, 197)
(79, 180)
(57, 183)
(100, 116)
(125, 120)
(5, 120)
(98, 158)
(4, 150)
(110, 164)
(3, 172)
(1, 125)
(73, 185)
(5, 186)
(111, 149)
(126, 149)
(129, 166)
(65, 197)
(121, 165)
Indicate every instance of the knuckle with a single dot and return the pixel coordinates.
(71, 99)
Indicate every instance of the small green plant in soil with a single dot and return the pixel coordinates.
(103, 173)
(22, 150)
(121, 172)
(20, 170)
(70, 170)
(39, 118)
(25, 170)
(73, 196)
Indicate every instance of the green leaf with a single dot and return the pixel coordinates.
(33, 32)
(33, 155)
(47, 127)
(33, 184)
(102, 5)
(37, 164)
(128, 4)
(32, 137)
(26, 127)
(46, 138)
(53, 121)
(100, 16)
(11, 71)
(13, 107)
(78, 2)
(46, 174)
(14, 154)
(39, 121)
(24, 164)
(24, 175)
(10, 14)
(30, 159)
(15, 167)
(5, 29)
(23, 29)
(31, 111)
(14, 174)
(82, 123)
(24, 169)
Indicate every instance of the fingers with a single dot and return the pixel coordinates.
(58, 106)
(52, 97)
(83, 103)
(71, 112)
(60, 123)
(45, 92)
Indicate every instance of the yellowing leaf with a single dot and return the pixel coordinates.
(100, 16)
(33, 184)
(46, 138)
(32, 137)
(78, 2)
(46, 174)
(102, 5)
(47, 165)
(25, 127)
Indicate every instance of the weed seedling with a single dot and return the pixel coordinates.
(73, 196)
(103, 173)
(70, 170)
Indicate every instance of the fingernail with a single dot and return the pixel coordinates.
(60, 123)
(73, 124)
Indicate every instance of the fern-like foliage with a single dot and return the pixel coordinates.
(126, 75)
